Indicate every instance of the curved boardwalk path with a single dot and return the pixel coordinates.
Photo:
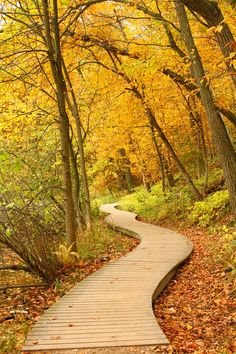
(113, 306)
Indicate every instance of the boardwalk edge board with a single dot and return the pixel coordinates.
(132, 282)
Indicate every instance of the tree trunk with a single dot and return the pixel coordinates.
(201, 141)
(163, 163)
(76, 189)
(125, 167)
(220, 136)
(163, 137)
(159, 158)
(54, 54)
(75, 112)
(212, 14)
(153, 122)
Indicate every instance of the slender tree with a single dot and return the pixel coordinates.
(211, 13)
(117, 69)
(55, 58)
(220, 136)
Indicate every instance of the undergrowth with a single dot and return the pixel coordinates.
(225, 250)
(98, 201)
(94, 249)
(215, 206)
(92, 244)
(179, 203)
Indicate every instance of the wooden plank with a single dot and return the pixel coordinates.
(113, 306)
(107, 322)
(100, 337)
(84, 337)
(77, 312)
(95, 344)
(92, 324)
(93, 329)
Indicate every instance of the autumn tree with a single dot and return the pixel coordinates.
(220, 135)
(141, 49)
(212, 14)
(116, 67)
(42, 22)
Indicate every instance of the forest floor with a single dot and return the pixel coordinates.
(195, 311)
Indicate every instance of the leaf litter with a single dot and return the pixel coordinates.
(195, 311)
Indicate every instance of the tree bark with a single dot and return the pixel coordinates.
(201, 142)
(125, 167)
(189, 86)
(220, 136)
(76, 189)
(75, 112)
(159, 158)
(165, 140)
(55, 59)
(163, 163)
(210, 11)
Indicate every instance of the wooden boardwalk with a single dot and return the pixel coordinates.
(113, 306)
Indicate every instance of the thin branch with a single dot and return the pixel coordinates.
(15, 267)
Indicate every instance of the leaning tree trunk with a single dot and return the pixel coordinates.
(153, 122)
(220, 136)
(213, 16)
(164, 167)
(173, 154)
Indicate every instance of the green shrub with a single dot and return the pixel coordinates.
(213, 207)
(97, 202)
(215, 179)
(179, 202)
(156, 205)
(141, 202)
(225, 250)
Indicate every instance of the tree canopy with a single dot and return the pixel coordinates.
(106, 95)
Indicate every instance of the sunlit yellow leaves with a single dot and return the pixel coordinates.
(215, 29)
(111, 51)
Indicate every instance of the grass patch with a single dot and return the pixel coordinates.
(94, 244)
(102, 239)
(98, 201)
